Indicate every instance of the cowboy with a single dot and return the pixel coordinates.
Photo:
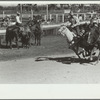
(74, 21)
(18, 22)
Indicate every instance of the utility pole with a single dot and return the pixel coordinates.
(47, 11)
(31, 13)
(3, 14)
(21, 11)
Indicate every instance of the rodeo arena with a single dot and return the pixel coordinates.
(50, 43)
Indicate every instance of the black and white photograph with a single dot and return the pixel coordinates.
(49, 43)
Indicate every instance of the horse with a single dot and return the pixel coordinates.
(75, 42)
(37, 31)
(13, 32)
(94, 40)
(69, 37)
(31, 26)
(26, 36)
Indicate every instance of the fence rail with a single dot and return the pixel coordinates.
(56, 18)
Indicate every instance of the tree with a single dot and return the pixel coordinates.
(52, 6)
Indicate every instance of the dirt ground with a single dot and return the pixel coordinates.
(51, 63)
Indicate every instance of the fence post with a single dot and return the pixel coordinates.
(50, 17)
(3, 14)
(45, 18)
(47, 11)
(0, 40)
(63, 18)
(84, 16)
(31, 14)
(56, 18)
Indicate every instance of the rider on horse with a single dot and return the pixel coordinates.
(74, 21)
(73, 25)
(18, 22)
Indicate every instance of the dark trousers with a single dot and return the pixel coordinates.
(19, 24)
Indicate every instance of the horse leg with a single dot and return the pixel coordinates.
(22, 45)
(6, 42)
(10, 44)
(91, 54)
(35, 40)
(75, 49)
(17, 43)
(39, 40)
(37, 43)
(82, 52)
(98, 57)
(32, 39)
(29, 45)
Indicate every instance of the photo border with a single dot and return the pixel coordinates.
(50, 91)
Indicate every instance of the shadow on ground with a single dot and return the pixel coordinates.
(66, 60)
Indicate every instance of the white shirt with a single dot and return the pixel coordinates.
(76, 19)
(18, 19)
(80, 18)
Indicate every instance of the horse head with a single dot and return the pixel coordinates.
(62, 30)
(66, 32)
(93, 35)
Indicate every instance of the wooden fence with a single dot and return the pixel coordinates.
(55, 18)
